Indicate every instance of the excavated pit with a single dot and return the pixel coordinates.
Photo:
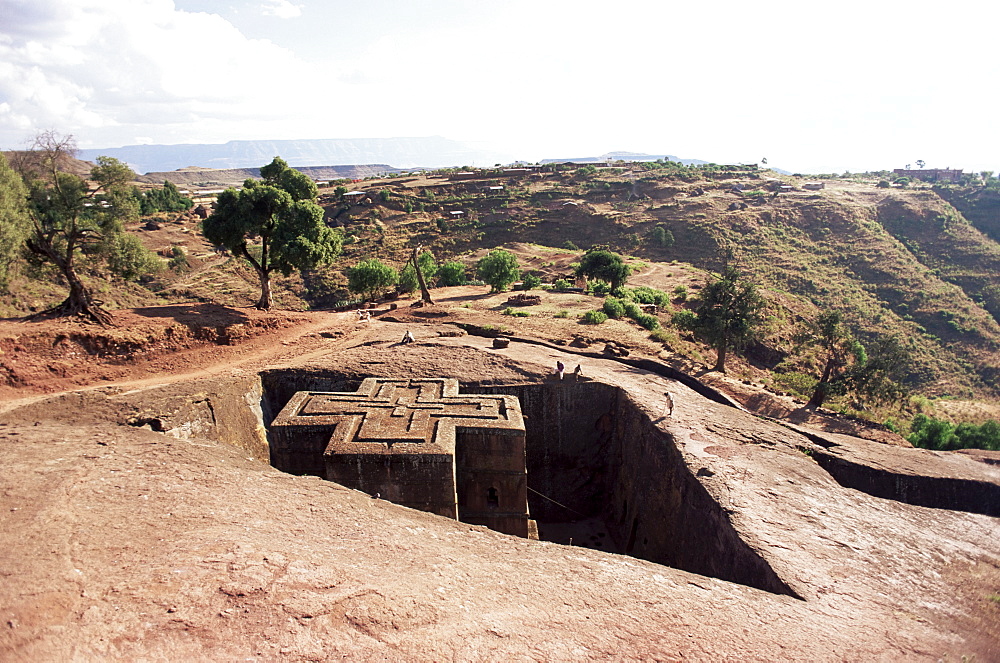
(600, 475)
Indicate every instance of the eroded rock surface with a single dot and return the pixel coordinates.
(121, 542)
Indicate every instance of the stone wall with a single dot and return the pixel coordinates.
(591, 449)
(592, 453)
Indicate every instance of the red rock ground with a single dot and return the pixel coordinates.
(122, 543)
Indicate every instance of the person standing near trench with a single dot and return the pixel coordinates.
(668, 404)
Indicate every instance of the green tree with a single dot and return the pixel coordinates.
(408, 281)
(530, 282)
(370, 277)
(499, 269)
(70, 217)
(282, 220)
(15, 225)
(614, 308)
(881, 377)
(129, 258)
(728, 315)
(599, 263)
(840, 349)
(166, 199)
(662, 237)
(930, 433)
(451, 273)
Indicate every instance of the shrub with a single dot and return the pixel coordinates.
(178, 260)
(622, 293)
(451, 273)
(517, 313)
(594, 317)
(599, 288)
(647, 321)
(614, 308)
(931, 433)
(568, 244)
(632, 310)
(530, 282)
(167, 199)
(662, 237)
(369, 277)
(562, 314)
(646, 295)
(562, 284)
(129, 258)
(685, 320)
(499, 269)
(661, 336)
(797, 384)
(883, 184)
(682, 292)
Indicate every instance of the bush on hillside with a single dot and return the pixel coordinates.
(647, 321)
(614, 308)
(530, 282)
(930, 433)
(451, 273)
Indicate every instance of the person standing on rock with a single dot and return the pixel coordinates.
(560, 369)
(578, 372)
(668, 404)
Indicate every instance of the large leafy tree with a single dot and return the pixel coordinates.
(499, 269)
(604, 265)
(15, 224)
(274, 224)
(728, 315)
(70, 217)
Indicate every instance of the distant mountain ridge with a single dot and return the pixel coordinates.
(414, 152)
(627, 156)
(226, 177)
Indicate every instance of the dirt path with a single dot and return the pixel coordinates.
(203, 360)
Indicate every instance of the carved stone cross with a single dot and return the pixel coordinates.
(416, 442)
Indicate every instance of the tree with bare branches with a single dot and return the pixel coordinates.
(71, 217)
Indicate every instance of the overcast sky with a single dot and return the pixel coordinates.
(813, 87)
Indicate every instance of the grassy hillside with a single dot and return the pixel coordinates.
(896, 261)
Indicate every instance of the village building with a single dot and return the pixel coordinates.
(930, 174)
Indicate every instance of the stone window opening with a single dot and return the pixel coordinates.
(492, 498)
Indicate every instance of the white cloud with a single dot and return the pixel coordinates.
(805, 86)
(112, 69)
(281, 9)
